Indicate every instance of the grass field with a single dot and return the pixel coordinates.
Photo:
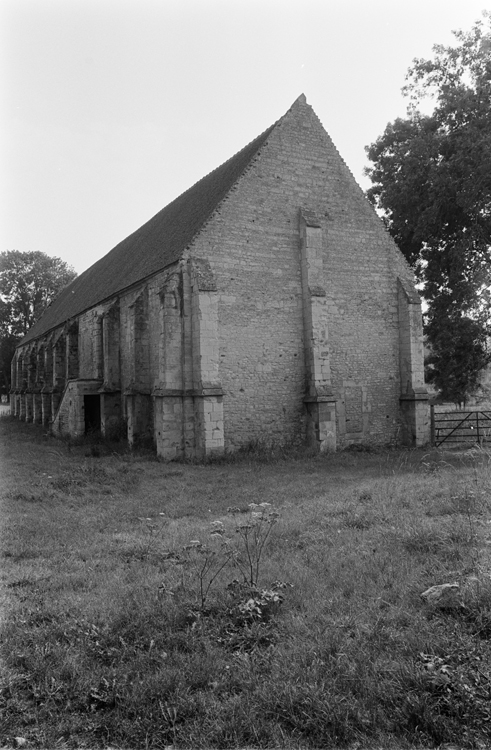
(137, 616)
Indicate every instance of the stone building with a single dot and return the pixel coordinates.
(267, 302)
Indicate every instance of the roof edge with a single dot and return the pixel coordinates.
(261, 142)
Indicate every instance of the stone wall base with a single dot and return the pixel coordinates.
(113, 426)
(188, 425)
(139, 417)
(321, 423)
(415, 419)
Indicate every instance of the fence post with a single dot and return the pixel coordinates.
(432, 424)
(477, 426)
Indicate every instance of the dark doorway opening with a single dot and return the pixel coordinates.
(92, 407)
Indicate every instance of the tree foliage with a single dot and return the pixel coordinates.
(458, 355)
(28, 283)
(431, 178)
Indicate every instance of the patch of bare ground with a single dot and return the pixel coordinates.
(271, 599)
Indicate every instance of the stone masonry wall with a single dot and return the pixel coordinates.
(90, 344)
(227, 330)
(252, 243)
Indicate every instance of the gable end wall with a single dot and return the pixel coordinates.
(283, 316)
(252, 243)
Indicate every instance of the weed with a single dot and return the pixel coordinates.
(206, 562)
(254, 532)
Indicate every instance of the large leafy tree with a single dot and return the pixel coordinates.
(28, 283)
(431, 178)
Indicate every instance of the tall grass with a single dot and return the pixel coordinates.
(110, 643)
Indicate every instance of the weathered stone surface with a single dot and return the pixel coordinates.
(443, 595)
(289, 316)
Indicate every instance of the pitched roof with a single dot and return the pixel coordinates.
(156, 245)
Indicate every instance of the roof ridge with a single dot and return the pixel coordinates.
(155, 245)
(262, 138)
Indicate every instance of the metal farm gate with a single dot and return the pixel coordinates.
(460, 426)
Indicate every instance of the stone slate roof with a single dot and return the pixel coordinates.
(156, 245)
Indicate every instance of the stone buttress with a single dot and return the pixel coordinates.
(207, 389)
(414, 396)
(188, 398)
(319, 400)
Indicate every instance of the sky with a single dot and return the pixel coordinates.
(112, 108)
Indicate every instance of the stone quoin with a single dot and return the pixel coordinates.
(267, 303)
